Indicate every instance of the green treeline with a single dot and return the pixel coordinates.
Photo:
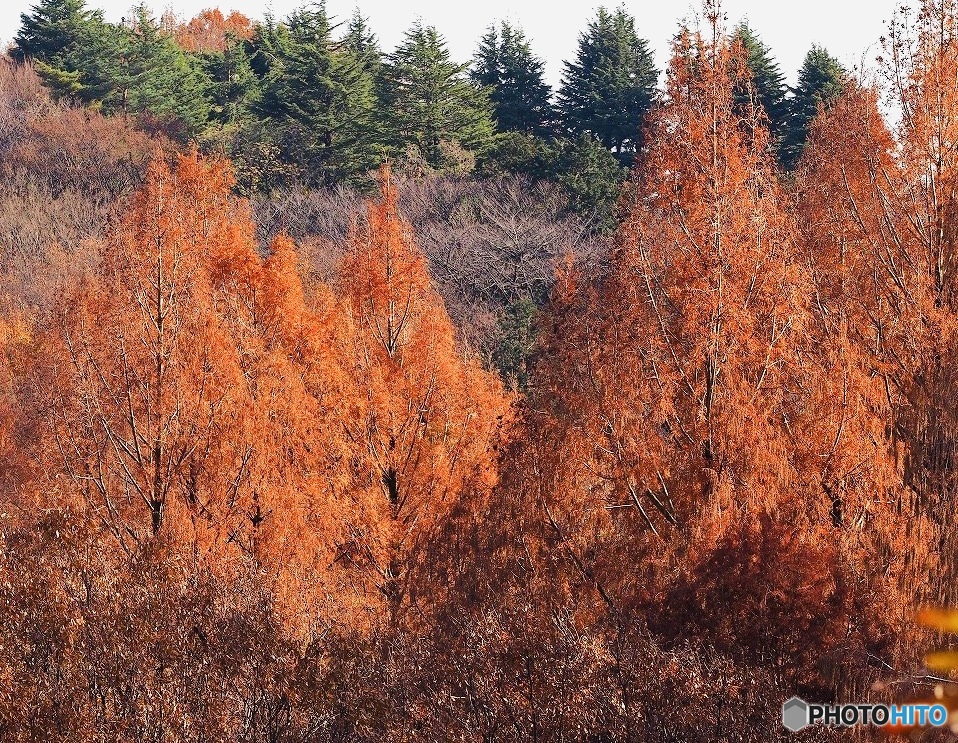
(309, 100)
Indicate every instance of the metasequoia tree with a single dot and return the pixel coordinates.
(870, 279)
(189, 382)
(181, 398)
(688, 420)
(923, 71)
(421, 415)
(300, 479)
(696, 325)
(211, 31)
(147, 386)
(877, 212)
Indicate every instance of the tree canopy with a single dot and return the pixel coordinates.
(505, 64)
(609, 87)
(356, 394)
(765, 86)
(428, 101)
(820, 81)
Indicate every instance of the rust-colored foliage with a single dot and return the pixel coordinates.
(146, 386)
(243, 497)
(211, 31)
(421, 417)
(678, 372)
(876, 210)
(867, 271)
(188, 393)
(692, 422)
(186, 387)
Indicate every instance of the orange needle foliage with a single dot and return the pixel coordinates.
(211, 31)
(692, 422)
(422, 417)
(877, 211)
(188, 388)
(192, 394)
(146, 388)
(235, 508)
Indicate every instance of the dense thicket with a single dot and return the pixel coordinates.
(478, 444)
(309, 99)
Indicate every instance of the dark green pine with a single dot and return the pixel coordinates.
(767, 87)
(515, 77)
(820, 81)
(609, 87)
(428, 101)
(318, 96)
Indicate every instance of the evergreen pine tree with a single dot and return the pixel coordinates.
(820, 81)
(233, 89)
(321, 96)
(609, 87)
(52, 30)
(60, 38)
(486, 69)
(592, 177)
(149, 74)
(504, 63)
(767, 87)
(264, 47)
(428, 101)
(362, 43)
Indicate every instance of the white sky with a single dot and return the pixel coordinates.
(849, 29)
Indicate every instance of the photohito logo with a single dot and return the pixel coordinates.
(798, 714)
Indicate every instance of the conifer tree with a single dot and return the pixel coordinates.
(233, 84)
(878, 208)
(609, 87)
(149, 396)
(59, 37)
(820, 81)
(486, 69)
(321, 97)
(765, 86)
(52, 30)
(427, 101)
(663, 427)
(361, 42)
(150, 75)
(592, 176)
(422, 416)
(504, 62)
